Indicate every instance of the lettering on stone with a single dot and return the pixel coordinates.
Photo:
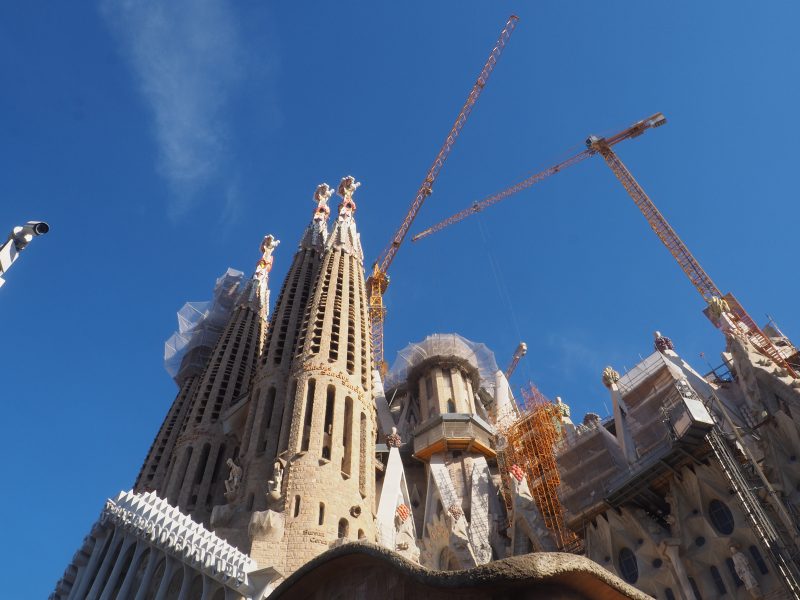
(325, 370)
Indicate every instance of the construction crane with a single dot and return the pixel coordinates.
(633, 131)
(521, 350)
(690, 266)
(378, 280)
(696, 274)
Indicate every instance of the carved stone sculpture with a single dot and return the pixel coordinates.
(274, 485)
(264, 265)
(234, 479)
(405, 543)
(745, 572)
(393, 439)
(717, 306)
(610, 377)
(266, 525)
(322, 194)
(662, 343)
(347, 187)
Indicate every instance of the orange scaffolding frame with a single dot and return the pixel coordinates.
(530, 444)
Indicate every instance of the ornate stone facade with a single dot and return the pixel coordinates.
(282, 444)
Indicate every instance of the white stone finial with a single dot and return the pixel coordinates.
(610, 377)
(323, 193)
(718, 306)
(347, 187)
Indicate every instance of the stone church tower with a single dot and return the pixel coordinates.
(266, 430)
(192, 443)
(323, 483)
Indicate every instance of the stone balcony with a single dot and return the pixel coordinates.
(453, 432)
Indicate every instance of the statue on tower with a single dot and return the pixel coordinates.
(321, 196)
(347, 188)
(234, 479)
(264, 265)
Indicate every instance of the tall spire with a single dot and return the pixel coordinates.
(194, 478)
(266, 430)
(345, 235)
(322, 484)
(316, 233)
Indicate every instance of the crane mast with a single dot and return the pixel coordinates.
(378, 280)
(690, 266)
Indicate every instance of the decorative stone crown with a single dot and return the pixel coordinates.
(610, 377)
(662, 343)
(393, 439)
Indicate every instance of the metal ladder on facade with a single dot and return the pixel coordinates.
(773, 542)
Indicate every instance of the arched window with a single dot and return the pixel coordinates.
(628, 567)
(297, 506)
(321, 513)
(201, 465)
(718, 581)
(695, 589)
(347, 436)
(309, 415)
(451, 406)
(721, 517)
(759, 560)
(344, 528)
(361, 535)
(327, 430)
(362, 456)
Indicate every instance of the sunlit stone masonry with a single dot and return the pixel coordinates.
(289, 466)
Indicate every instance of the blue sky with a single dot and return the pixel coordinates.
(161, 141)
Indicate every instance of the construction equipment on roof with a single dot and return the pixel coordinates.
(521, 350)
(530, 444)
(378, 280)
(700, 279)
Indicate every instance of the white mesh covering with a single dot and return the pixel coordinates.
(444, 345)
(200, 323)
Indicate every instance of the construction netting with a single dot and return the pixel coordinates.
(444, 345)
(200, 324)
(587, 460)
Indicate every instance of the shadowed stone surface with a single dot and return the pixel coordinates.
(364, 570)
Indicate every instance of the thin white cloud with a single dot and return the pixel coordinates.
(185, 55)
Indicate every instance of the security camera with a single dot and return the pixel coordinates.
(23, 235)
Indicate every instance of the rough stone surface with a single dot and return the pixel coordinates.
(363, 570)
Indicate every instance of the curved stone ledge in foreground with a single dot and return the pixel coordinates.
(364, 570)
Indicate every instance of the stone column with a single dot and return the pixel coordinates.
(669, 548)
(130, 576)
(152, 561)
(79, 591)
(186, 584)
(116, 573)
(169, 570)
(106, 565)
(207, 587)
